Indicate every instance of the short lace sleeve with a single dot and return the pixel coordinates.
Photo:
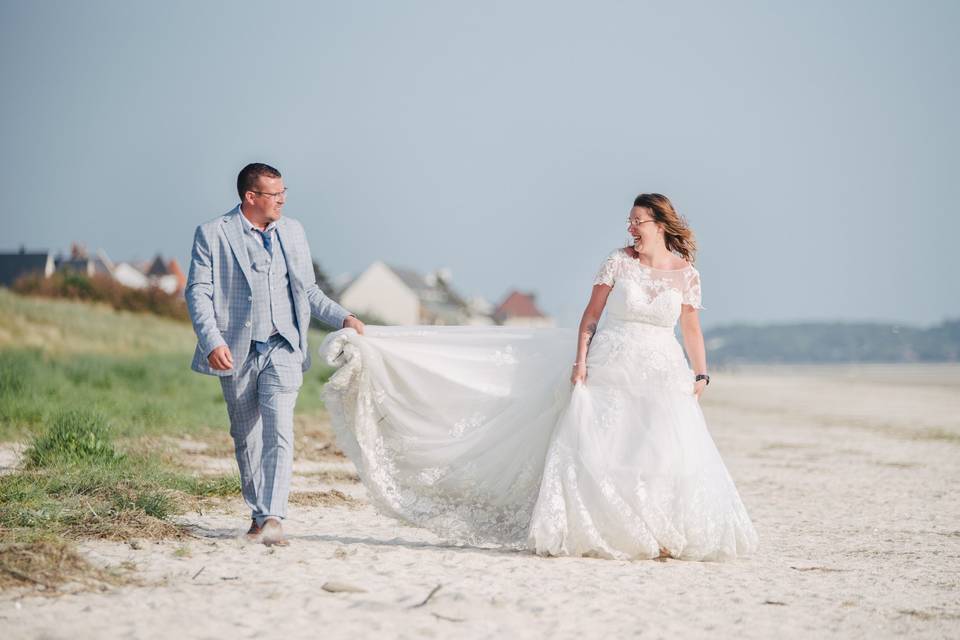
(608, 270)
(691, 288)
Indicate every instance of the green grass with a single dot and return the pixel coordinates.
(76, 482)
(133, 369)
(73, 437)
(67, 327)
(153, 394)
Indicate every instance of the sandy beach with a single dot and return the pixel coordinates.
(851, 475)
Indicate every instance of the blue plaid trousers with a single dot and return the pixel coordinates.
(260, 398)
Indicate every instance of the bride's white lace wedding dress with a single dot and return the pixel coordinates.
(476, 434)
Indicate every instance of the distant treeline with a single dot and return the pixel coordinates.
(819, 342)
(104, 289)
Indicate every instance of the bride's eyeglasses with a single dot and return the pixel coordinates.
(634, 222)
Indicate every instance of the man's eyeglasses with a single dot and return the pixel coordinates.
(275, 196)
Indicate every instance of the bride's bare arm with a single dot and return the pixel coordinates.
(588, 327)
(693, 343)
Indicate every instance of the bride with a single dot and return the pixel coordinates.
(477, 434)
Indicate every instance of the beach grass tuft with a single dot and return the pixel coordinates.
(75, 436)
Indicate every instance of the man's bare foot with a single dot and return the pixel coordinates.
(271, 533)
(254, 532)
(664, 554)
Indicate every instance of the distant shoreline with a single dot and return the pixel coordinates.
(854, 369)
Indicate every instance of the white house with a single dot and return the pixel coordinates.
(129, 276)
(401, 296)
(165, 274)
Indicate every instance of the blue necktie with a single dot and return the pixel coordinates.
(264, 347)
(267, 240)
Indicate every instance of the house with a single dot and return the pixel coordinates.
(394, 295)
(130, 276)
(520, 309)
(168, 276)
(81, 263)
(173, 268)
(21, 263)
(165, 275)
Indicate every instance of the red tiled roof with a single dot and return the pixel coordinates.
(174, 268)
(520, 305)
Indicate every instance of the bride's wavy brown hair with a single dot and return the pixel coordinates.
(677, 233)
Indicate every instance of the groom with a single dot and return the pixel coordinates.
(250, 293)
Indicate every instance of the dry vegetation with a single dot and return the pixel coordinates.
(104, 289)
(331, 498)
(50, 565)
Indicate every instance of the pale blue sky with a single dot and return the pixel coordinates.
(813, 146)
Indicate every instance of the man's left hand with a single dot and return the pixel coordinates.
(352, 322)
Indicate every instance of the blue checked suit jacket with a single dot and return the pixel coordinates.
(219, 296)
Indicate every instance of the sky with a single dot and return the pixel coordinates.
(813, 147)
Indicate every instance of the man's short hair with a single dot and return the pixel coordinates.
(247, 180)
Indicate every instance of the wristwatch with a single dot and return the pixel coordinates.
(701, 376)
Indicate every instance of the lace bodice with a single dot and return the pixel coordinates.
(644, 294)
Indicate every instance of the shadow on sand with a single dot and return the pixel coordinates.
(222, 533)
